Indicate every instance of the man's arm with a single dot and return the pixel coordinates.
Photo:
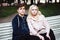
(14, 25)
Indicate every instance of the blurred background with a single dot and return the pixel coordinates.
(47, 7)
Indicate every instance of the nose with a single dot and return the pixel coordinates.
(22, 9)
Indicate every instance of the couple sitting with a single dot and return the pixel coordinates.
(33, 26)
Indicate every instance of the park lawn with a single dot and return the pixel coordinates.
(47, 10)
(50, 9)
(6, 11)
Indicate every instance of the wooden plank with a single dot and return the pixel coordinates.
(6, 28)
(5, 24)
(9, 28)
(53, 17)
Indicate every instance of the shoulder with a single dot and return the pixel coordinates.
(25, 16)
(42, 16)
(15, 18)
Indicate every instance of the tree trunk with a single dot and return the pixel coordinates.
(1, 4)
(55, 1)
(48, 1)
(39, 2)
(59, 1)
(18, 1)
(45, 1)
(31, 1)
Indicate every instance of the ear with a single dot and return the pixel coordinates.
(17, 10)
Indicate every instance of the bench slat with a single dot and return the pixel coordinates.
(6, 28)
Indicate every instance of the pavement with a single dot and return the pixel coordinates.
(7, 19)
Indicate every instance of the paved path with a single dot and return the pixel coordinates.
(7, 19)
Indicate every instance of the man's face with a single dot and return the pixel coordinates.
(21, 10)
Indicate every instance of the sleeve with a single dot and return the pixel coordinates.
(14, 25)
(32, 31)
(46, 24)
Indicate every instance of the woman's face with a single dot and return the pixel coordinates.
(21, 10)
(34, 11)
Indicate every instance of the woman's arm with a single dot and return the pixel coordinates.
(32, 31)
(46, 24)
(15, 25)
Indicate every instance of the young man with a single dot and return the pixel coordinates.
(19, 24)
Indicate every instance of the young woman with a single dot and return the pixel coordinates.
(38, 25)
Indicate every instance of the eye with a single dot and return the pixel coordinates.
(34, 9)
(23, 8)
(20, 8)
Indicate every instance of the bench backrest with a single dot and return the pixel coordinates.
(6, 28)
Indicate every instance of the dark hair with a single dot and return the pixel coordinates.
(20, 5)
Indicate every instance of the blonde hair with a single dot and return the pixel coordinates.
(29, 11)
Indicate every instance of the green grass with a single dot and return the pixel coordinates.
(47, 10)
(50, 9)
(6, 11)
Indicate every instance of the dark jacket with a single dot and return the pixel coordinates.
(20, 27)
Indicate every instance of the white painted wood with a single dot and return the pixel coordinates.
(6, 28)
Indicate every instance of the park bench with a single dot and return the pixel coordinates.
(6, 28)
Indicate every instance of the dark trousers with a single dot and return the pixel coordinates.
(31, 37)
(51, 34)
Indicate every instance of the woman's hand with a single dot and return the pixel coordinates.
(48, 36)
(41, 37)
